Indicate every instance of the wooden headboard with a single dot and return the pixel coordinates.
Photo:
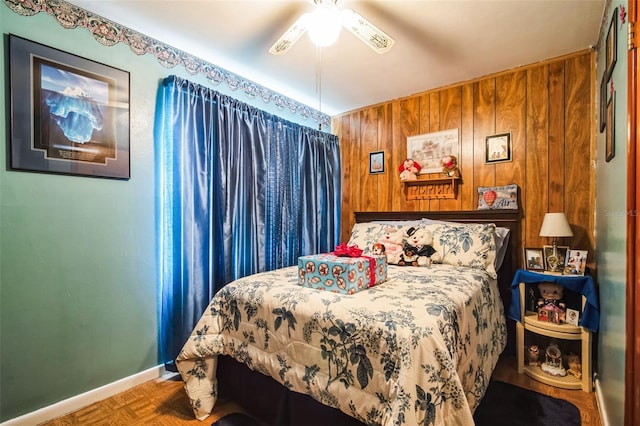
(501, 218)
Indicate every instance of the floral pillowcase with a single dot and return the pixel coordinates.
(470, 245)
(365, 235)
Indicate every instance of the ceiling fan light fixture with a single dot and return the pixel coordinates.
(324, 25)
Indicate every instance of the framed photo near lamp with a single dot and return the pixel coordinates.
(553, 263)
(576, 262)
(534, 259)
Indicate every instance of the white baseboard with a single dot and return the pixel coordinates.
(602, 409)
(80, 401)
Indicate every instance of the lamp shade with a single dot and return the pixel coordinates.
(555, 225)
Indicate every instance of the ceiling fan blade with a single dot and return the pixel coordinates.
(292, 35)
(373, 36)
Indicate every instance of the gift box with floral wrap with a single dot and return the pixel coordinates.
(344, 270)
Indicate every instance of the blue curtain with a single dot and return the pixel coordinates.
(241, 191)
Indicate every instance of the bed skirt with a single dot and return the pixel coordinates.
(270, 402)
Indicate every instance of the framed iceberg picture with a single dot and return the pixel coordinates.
(69, 115)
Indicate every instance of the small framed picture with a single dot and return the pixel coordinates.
(602, 110)
(576, 262)
(551, 263)
(611, 44)
(572, 316)
(498, 148)
(376, 162)
(611, 128)
(534, 259)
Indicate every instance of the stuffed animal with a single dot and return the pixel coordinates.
(551, 307)
(378, 249)
(392, 240)
(421, 239)
(409, 256)
(409, 170)
(450, 166)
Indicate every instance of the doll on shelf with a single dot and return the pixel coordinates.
(551, 307)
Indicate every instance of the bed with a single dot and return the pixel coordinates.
(417, 349)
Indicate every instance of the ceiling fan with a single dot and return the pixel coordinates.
(323, 25)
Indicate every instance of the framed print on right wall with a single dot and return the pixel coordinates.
(610, 148)
(611, 44)
(602, 109)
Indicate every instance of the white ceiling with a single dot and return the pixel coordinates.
(438, 42)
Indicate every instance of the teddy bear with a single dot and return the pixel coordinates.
(450, 166)
(421, 239)
(551, 307)
(392, 239)
(409, 170)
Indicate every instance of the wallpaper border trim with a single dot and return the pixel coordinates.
(109, 33)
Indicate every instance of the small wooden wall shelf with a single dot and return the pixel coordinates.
(434, 188)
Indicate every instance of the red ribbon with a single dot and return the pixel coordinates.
(344, 250)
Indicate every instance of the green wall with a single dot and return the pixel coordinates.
(78, 262)
(611, 235)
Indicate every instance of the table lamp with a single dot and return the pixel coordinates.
(555, 225)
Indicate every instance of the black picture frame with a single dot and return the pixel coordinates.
(69, 115)
(498, 148)
(610, 148)
(534, 259)
(376, 162)
(602, 113)
(611, 44)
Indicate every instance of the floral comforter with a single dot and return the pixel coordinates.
(418, 349)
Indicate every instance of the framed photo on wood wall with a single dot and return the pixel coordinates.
(498, 148)
(69, 115)
(376, 162)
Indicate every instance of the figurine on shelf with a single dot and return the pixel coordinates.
(534, 355)
(409, 170)
(575, 366)
(553, 361)
(532, 300)
(450, 166)
(551, 307)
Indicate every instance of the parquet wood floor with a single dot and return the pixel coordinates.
(162, 402)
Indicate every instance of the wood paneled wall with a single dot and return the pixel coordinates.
(549, 108)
